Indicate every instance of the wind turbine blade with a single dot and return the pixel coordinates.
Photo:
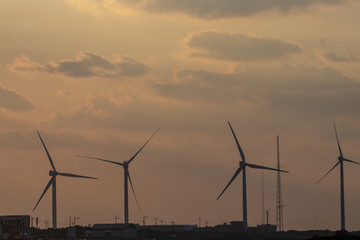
(132, 188)
(328, 172)
(231, 180)
(348, 160)
(46, 188)
(337, 139)
(237, 143)
(142, 147)
(117, 163)
(47, 153)
(267, 168)
(74, 175)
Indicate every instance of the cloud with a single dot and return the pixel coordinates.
(113, 112)
(349, 58)
(17, 140)
(85, 65)
(286, 89)
(214, 9)
(13, 101)
(23, 63)
(196, 101)
(237, 47)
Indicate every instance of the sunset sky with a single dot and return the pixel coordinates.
(98, 77)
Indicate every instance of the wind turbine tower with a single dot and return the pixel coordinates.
(279, 205)
(243, 164)
(53, 173)
(127, 178)
(262, 197)
(341, 160)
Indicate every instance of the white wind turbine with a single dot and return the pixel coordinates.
(53, 173)
(127, 177)
(340, 161)
(242, 167)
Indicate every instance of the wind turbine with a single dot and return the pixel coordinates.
(53, 173)
(340, 161)
(242, 167)
(127, 177)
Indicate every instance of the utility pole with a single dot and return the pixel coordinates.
(74, 222)
(32, 221)
(172, 225)
(199, 222)
(37, 222)
(144, 217)
(116, 218)
(69, 221)
(156, 221)
(46, 224)
(74, 225)
(279, 205)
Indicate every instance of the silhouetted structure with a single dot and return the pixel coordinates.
(113, 231)
(127, 177)
(279, 205)
(53, 173)
(242, 167)
(266, 228)
(171, 227)
(340, 161)
(14, 226)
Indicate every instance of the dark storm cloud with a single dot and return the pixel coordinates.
(335, 58)
(12, 101)
(288, 89)
(237, 47)
(86, 65)
(214, 9)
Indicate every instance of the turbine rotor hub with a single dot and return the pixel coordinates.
(52, 173)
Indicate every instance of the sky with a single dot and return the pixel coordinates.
(98, 78)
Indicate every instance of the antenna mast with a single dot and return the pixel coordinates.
(279, 205)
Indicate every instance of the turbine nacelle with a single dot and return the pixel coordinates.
(242, 164)
(52, 173)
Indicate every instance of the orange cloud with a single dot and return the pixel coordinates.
(85, 65)
(237, 47)
(214, 9)
(10, 100)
